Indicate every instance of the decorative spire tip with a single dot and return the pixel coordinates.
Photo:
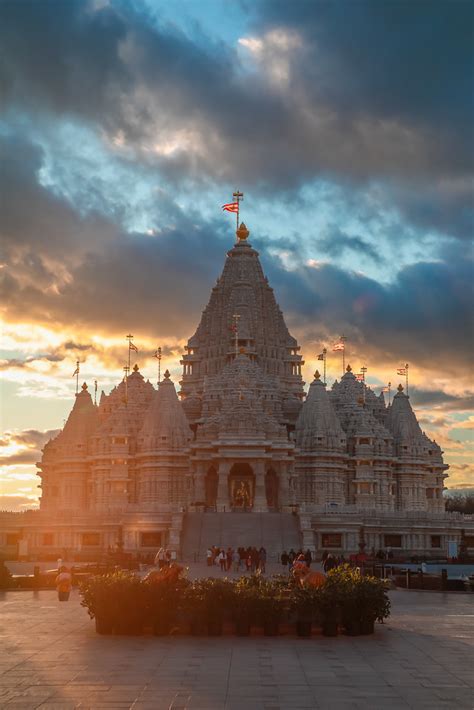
(317, 375)
(348, 368)
(242, 232)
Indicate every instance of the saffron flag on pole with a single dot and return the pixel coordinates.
(231, 207)
(385, 389)
(401, 371)
(132, 346)
(321, 356)
(360, 377)
(339, 346)
(76, 371)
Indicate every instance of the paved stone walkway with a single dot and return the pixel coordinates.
(50, 657)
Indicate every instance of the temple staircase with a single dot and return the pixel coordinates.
(275, 531)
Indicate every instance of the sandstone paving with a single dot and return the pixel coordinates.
(52, 658)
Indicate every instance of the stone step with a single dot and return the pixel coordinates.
(275, 531)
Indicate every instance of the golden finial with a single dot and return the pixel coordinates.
(167, 375)
(400, 388)
(135, 368)
(317, 375)
(84, 387)
(242, 232)
(348, 368)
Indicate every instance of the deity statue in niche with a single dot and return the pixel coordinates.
(241, 495)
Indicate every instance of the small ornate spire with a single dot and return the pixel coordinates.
(84, 387)
(348, 368)
(317, 375)
(167, 375)
(135, 368)
(400, 388)
(242, 232)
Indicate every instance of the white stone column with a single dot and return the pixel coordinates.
(260, 499)
(223, 502)
(199, 483)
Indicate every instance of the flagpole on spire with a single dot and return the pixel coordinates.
(322, 356)
(403, 370)
(95, 391)
(126, 370)
(157, 354)
(76, 375)
(341, 346)
(131, 346)
(389, 393)
(238, 196)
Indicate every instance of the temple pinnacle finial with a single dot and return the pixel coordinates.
(348, 368)
(317, 375)
(135, 368)
(400, 388)
(84, 386)
(242, 232)
(167, 375)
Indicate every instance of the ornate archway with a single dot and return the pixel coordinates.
(271, 488)
(241, 486)
(211, 487)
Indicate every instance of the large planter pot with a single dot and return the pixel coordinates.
(352, 627)
(271, 628)
(367, 626)
(63, 596)
(214, 627)
(161, 627)
(129, 626)
(330, 627)
(198, 627)
(303, 628)
(242, 627)
(104, 624)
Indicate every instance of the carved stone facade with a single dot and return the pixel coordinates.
(242, 437)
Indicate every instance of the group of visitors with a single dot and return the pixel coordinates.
(288, 558)
(163, 558)
(240, 558)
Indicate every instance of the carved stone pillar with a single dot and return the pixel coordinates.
(260, 498)
(200, 483)
(284, 486)
(223, 503)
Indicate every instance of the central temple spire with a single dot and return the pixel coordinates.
(243, 296)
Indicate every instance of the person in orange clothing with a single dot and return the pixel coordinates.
(64, 584)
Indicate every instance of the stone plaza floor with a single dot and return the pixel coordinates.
(51, 657)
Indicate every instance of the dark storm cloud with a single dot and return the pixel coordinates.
(438, 399)
(336, 242)
(375, 91)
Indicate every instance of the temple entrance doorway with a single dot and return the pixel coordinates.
(271, 489)
(241, 486)
(211, 487)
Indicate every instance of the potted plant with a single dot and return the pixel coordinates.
(218, 595)
(304, 602)
(373, 603)
(163, 598)
(194, 605)
(116, 602)
(244, 602)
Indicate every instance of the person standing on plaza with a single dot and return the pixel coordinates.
(222, 560)
(229, 554)
(63, 584)
(209, 557)
(329, 563)
(262, 559)
(291, 557)
(236, 560)
(284, 558)
(308, 557)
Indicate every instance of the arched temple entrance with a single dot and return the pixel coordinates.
(211, 487)
(271, 488)
(241, 486)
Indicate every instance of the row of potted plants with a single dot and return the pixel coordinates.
(124, 604)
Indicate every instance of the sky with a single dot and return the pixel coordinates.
(126, 124)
